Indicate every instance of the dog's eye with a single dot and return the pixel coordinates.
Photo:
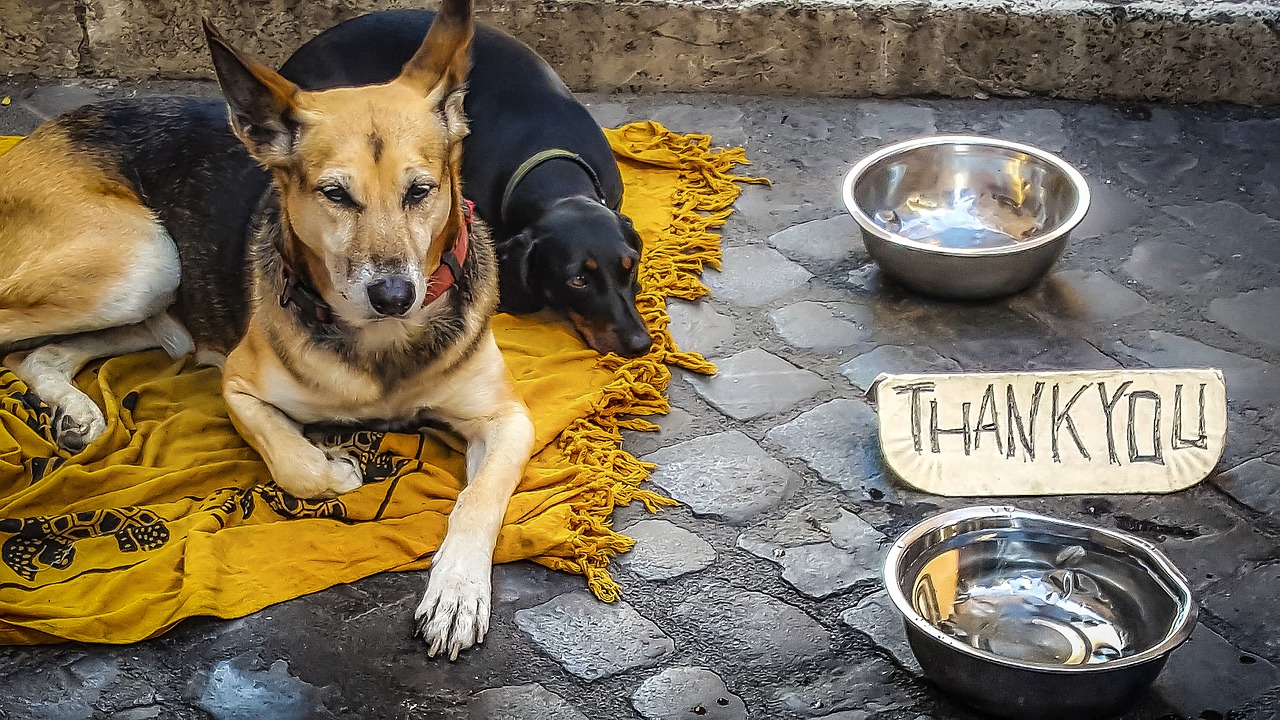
(578, 281)
(418, 192)
(338, 195)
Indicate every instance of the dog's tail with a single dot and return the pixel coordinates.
(171, 335)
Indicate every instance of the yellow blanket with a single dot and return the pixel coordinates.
(170, 515)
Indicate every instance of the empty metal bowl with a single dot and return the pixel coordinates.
(1029, 617)
(965, 217)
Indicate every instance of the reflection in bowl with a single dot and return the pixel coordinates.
(965, 217)
(1026, 616)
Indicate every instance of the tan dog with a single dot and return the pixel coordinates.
(347, 284)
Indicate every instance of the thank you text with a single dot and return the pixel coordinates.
(1023, 433)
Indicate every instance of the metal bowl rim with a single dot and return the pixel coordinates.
(868, 225)
(1181, 628)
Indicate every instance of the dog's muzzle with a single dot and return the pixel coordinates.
(635, 342)
(392, 295)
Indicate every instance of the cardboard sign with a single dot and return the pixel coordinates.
(1052, 433)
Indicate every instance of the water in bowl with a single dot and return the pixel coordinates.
(964, 219)
(1027, 609)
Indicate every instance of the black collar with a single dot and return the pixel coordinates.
(553, 154)
(296, 292)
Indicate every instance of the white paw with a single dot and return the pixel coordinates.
(454, 613)
(78, 422)
(320, 476)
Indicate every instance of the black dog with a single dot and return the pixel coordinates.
(536, 165)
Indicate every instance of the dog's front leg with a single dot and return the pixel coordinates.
(454, 613)
(298, 467)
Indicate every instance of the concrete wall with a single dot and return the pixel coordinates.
(1087, 49)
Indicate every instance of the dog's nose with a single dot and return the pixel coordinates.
(392, 295)
(635, 344)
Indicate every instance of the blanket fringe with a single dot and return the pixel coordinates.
(670, 268)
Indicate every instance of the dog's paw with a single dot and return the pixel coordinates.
(78, 422)
(321, 477)
(454, 613)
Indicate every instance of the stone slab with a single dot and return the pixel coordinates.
(837, 439)
(876, 616)
(1041, 127)
(822, 326)
(592, 639)
(1114, 210)
(863, 684)
(237, 693)
(53, 100)
(74, 687)
(725, 475)
(1171, 266)
(1208, 676)
(687, 693)
(724, 125)
(831, 240)
(607, 113)
(697, 327)
(137, 713)
(1083, 295)
(1246, 604)
(753, 629)
(1255, 484)
(894, 121)
(1254, 314)
(1158, 169)
(520, 585)
(822, 549)
(865, 368)
(664, 550)
(1215, 550)
(1072, 432)
(1230, 231)
(755, 383)
(754, 275)
(521, 702)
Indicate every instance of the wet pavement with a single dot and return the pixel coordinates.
(759, 597)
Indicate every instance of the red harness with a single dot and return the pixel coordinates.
(451, 261)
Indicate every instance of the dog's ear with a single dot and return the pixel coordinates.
(521, 251)
(262, 102)
(443, 61)
(629, 232)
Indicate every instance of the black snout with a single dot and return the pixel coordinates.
(635, 343)
(392, 295)
(633, 334)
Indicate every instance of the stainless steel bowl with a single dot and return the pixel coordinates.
(1028, 617)
(965, 217)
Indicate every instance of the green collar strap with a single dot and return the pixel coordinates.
(553, 154)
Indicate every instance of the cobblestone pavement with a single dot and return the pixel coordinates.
(759, 596)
